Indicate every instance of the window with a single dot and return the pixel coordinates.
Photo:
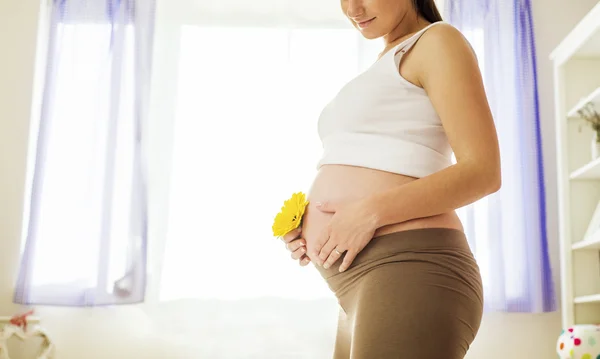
(85, 224)
(245, 139)
(76, 161)
(482, 219)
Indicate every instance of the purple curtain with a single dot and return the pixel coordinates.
(508, 230)
(86, 223)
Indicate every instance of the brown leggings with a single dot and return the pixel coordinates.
(415, 294)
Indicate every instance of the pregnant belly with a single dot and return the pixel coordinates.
(336, 183)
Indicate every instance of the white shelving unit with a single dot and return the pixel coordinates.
(589, 171)
(593, 98)
(577, 83)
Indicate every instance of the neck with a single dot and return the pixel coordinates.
(408, 25)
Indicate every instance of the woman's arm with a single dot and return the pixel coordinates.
(448, 71)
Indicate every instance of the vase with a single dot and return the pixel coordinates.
(595, 146)
(579, 341)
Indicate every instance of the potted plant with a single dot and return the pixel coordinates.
(591, 116)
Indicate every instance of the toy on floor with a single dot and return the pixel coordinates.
(579, 342)
(18, 328)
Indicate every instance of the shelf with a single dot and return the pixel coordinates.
(594, 98)
(587, 299)
(589, 244)
(577, 84)
(591, 171)
(582, 40)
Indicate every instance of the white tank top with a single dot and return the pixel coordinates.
(379, 120)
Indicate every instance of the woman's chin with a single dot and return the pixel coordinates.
(370, 35)
(371, 31)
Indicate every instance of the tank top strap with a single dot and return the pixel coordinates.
(407, 44)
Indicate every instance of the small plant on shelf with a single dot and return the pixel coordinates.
(589, 114)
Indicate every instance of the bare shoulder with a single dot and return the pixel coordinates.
(444, 41)
(442, 49)
(444, 36)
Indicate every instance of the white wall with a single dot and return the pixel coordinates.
(128, 332)
(18, 30)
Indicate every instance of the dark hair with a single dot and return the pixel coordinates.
(428, 10)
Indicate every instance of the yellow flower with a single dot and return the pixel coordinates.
(291, 214)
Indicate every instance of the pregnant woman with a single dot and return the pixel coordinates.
(381, 225)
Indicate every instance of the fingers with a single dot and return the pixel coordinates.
(320, 243)
(304, 261)
(327, 251)
(348, 259)
(299, 253)
(326, 207)
(292, 235)
(333, 257)
(295, 245)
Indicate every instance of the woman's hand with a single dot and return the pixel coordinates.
(297, 246)
(351, 228)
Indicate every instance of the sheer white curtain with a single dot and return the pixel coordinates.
(86, 219)
(247, 99)
(508, 228)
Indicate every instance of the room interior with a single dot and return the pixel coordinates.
(176, 321)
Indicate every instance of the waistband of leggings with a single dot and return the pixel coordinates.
(414, 240)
